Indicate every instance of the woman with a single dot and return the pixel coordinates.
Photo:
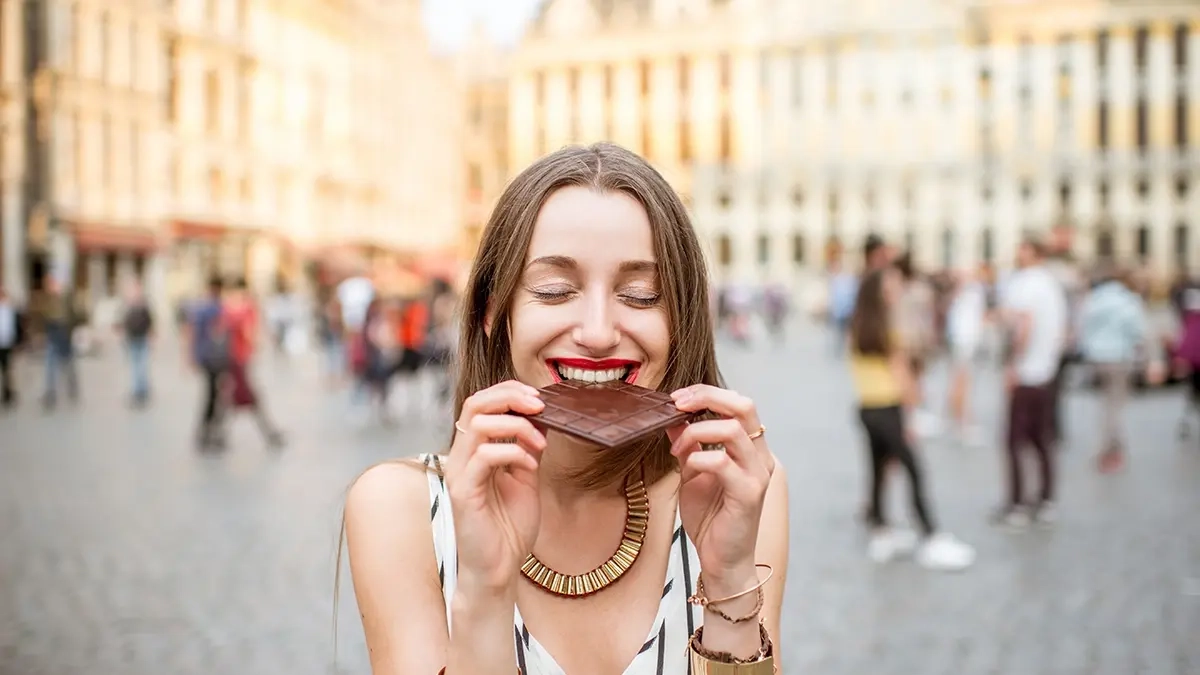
(882, 375)
(1112, 329)
(588, 257)
(965, 322)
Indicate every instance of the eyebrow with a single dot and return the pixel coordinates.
(569, 263)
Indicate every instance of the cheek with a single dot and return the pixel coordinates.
(653, 335)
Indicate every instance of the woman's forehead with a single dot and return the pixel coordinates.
(589, 225)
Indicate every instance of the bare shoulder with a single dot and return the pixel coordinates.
(393, 567)
(388, 488)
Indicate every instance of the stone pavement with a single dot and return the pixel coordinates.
(126, 553)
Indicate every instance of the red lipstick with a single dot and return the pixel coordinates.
(589, 364)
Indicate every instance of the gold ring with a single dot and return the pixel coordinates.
(758, 434)
(458, 426)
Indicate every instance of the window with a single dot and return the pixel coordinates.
(1141, 37)
(608, 83)
(724, 250)
(1102, 50)
(216, 184)
(987, 245)
(1181, 43)
(104, 26)
(1181, 187)
(1064, 195)
(647, 137)
(644, 77)
(685, 141)
(474, 178)
(724, 68)
(947, 247)
(1181, 245)
(1143, 242)
(539, 88)
(212, 100)
(1143, 188)
(683, 78)
(1181, 126)
(831, 80)
(725, 141)
(134, 159)
(832, 203)
(797, 197)
(1104, 243)
(106, 151)
(724, 200)
(1103, 190)
(1102, 125)
(1141, 124)
(764, 249)
(798, 249)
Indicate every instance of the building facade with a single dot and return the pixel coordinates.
(949, 127)
(89, 210)
(14, 102)
(306, 130)
(483, 72)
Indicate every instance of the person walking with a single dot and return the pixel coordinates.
(1035, 312)
(60, 318)
(882, 373)
(240, 321)
(1112, 328)
(11, 334)
(137, 326)
(208, 351)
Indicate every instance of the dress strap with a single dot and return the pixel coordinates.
(441, 522)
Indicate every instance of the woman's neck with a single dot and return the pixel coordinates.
(563, 459)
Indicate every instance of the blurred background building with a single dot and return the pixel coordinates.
(483, 73)
(950, 126)
(275, 141)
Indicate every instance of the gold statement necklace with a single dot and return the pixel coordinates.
(637, 516)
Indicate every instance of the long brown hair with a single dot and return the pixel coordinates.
(870, 325)
(485, 356)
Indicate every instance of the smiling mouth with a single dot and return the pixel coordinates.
(574, 372)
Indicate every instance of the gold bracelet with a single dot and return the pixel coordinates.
(698, 598)
(705, 662)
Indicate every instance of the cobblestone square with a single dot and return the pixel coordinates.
(127, 553)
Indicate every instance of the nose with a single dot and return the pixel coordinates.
(597, 331)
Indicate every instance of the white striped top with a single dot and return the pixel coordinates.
(665, 649)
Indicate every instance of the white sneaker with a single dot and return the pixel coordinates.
(944, 553)
(886, 544)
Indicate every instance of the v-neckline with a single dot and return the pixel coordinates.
(672, 571)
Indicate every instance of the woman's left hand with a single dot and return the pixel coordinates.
(721, 498)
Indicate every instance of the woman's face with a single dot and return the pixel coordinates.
(588, 306)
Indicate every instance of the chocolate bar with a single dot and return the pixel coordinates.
(609, 414)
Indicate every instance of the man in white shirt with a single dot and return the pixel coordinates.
(1035, 311)
(9, 337)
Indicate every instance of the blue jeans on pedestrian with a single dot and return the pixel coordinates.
(139, 364)
(59, 358)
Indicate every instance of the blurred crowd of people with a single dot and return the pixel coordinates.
(368, 339)
(1049, 316)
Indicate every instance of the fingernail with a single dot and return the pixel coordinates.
(681, 395)
(534, 401)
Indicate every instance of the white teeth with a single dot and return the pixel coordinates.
(584, 375)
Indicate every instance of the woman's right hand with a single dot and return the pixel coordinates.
(492, 481)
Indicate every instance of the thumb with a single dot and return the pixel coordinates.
(675, 432)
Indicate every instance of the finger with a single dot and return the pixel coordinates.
(720, 465)
(723, 402)
(504, 397)
(493, 428)
(727, 432)
(491, 457)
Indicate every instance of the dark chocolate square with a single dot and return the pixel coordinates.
(609, 414)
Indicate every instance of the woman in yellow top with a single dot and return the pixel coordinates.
(886, 393)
